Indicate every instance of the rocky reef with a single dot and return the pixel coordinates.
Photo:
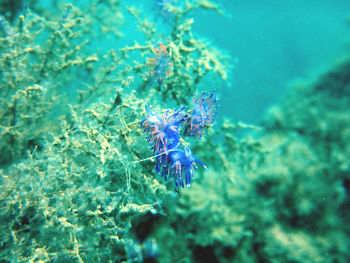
(281, 196)
(77, 179)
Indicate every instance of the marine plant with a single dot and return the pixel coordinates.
(280, 194)
(191, 58)
(76, 180)
(33, 56)
(73, 184)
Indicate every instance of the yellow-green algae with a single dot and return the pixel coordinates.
(282, 197)
(76, 181)
(75, 174)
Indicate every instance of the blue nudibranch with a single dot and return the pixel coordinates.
(164, 135)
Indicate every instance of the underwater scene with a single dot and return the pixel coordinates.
(175, 131)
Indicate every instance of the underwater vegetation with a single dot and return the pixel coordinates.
(75, 185)
(279, 195)
(77, 181)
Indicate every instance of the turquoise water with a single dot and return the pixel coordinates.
(275, 42)
(272, 44)
(174, 131)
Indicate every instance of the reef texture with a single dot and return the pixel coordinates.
(77, 179)
(280, 197)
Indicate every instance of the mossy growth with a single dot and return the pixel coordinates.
(81, 192)
(76, 177)
(36, 57)
(192, 57)
(281, 196)
(77, 180)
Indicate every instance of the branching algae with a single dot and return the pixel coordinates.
(77, 180)
(74, 183)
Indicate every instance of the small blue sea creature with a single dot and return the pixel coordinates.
(151, 119)
(150, 248)
(140, 252)
(161, 64)
(164, 135)
(179, 163)
(163, 131)
(202, 114)
(165, 141)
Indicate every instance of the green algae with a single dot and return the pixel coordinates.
(283, 197)
(75, 172)
(77, 183)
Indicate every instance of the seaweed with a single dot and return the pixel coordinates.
(76, 179)
(279, 195)
(76, 176)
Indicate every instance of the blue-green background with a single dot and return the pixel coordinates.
(271, 42)
(275, 42)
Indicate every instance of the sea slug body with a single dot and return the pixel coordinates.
(164, 131)
(202, 115)
(161, 64)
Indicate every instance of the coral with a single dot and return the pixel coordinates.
(164, 7)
